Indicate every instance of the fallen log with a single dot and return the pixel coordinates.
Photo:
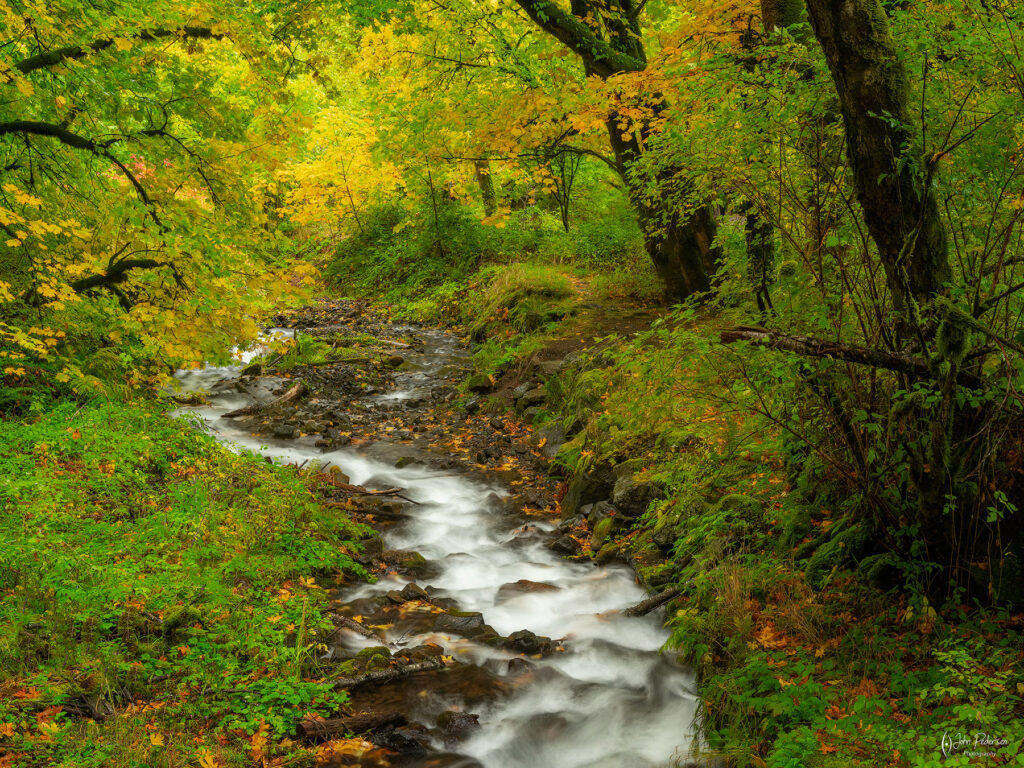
(296, 391)
(359, 629)
(391, 674)
(325, 730)
(850, 353)
(648, 605)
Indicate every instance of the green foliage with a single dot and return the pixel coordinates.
(139, 560)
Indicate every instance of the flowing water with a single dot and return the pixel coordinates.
(609, 700)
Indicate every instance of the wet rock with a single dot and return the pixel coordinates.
(522, 587)
(497, 424)
(565, 545)
(395, 596)
(533, 398)
(253, 369)
(405, 461)
(519, 666)
(468, 624)
(631, 497)
(479, 383)
(404, 741)
(413, 591)
(599, 512)
(394, 361)
(472, 405)
(457, 726)
(607, 554)
(373, 547)
(405, 560)
(526, 642)
(567, 525)
(422, 652)
(283, 431)
(587, 488)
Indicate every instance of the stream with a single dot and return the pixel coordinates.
(604, 698)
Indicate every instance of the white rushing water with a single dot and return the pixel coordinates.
(610, 700)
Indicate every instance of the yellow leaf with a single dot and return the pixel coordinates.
(207, 760)
(156, 739)
(61, 101)
(123, 44)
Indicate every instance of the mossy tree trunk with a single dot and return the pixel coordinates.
(679, 243)
(892, 178)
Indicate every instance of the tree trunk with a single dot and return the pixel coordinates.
(482, 171)
(892, 178)
(680, 245)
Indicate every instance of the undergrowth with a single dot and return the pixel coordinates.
(807, 656)
(146, 570)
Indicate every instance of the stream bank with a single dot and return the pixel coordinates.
(488, 639)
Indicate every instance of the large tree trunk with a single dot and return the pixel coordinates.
(892, 179)
(679, 245)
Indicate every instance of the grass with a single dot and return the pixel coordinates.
(148, 572)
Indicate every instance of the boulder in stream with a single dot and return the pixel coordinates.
(526, 642)
(405, 561)
(457, 726)
(468, 624)
(522, 587)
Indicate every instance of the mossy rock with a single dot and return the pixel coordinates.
(377, 650)
(603, 529)
(479, 382)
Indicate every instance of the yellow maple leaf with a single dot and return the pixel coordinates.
(156, 739)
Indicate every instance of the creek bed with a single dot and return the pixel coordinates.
(605, 698)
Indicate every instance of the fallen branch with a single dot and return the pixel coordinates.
(810, 347)
(298, 390)
(655, 601)
(358, 490)
(325, 730)
(392, 674)
(358, 628)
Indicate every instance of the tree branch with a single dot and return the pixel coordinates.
(600, 57)
(80, 142)
(71, 52)
(810, 347)
(115, 274)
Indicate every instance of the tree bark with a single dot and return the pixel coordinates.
(892, 178)
(915, 367)
(297, 391)
(482, 171)
(325, 730)
(393, 673)
(679, 245)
